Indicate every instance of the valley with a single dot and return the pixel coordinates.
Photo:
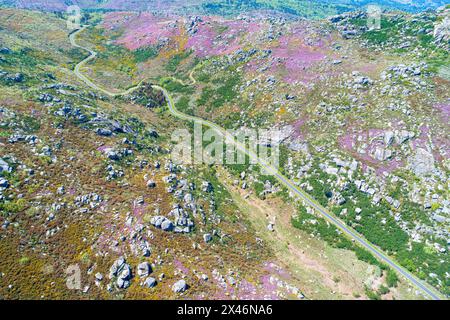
(87, 178)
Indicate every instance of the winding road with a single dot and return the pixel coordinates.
(426, 289)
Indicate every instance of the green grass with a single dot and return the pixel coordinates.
(319, 227)
(183, 105)
(144, 54)
(416, 257)
(224, 91)
(372, 295)
(13, 206)
(391, 279)
(175, 86)
(174, 61)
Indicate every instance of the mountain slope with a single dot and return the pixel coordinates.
(232, 7)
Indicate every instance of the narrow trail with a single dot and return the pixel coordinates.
(425, 288)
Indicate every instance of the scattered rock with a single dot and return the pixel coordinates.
(422, 162)
(151, 184)
(207, 237)
(4, 183)
(179, 286)
(144, 269)
(162, 222)
(150, 282)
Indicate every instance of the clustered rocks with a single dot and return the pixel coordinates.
(11, 78)
(421, 163)
(436, 25)
(6, 77)
(121, 276)
(4, 183)
(346, 29)
(193, 24)
(146, 96)
(88, 202)
(190, 209)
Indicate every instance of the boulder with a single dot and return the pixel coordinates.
(388, 138)
(122, 283)
(207, 186)
(207, 237)
(125, 273)
(103, 132)
(4, 166)
(179, 286)
(151, 184)
(116, 267)
(167, 225)
(144, 269)
(98, 276)
(150, 282)
(422, 162)
(4, 183)
(5, 50)
(112, 155)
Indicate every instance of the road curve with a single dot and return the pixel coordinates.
(350, 232)
(92, 56)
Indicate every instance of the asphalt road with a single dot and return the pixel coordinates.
(426, 289)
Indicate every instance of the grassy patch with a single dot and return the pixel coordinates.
(144, 54)
(175, 61)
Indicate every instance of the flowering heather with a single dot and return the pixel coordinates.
(298, 53)
(444, 109)
(147, 29)
(141, 30)
(94, 119)
(423, 139)
(299, 128)
(180, 266)
(372, 139)
(208, 42)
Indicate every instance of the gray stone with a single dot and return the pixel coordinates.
(113, 155)
(388, 138)
(116, 267)
(4, 183)
(207, 237)
(422, 162)
(179, 286)
(125, 274)
(103, 132)
(151, 184)
(144, 269)
(4, 166)
(167, 225)
(207, 186)
(98, 276)
(150, 282)
(122, 283)
(157, 221)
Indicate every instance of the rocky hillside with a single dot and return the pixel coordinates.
(364, 113)
(88, 188)
(305, 8)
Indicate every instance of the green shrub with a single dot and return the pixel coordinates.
(391, 278)
(144, 54)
